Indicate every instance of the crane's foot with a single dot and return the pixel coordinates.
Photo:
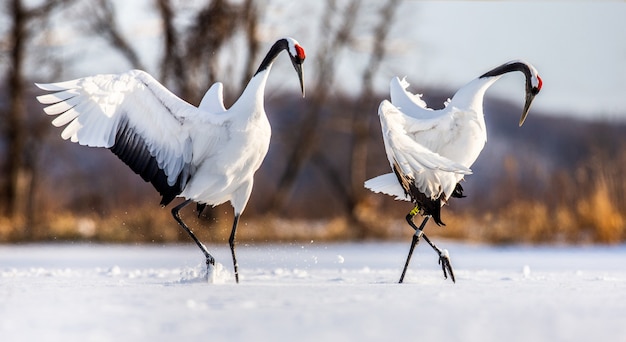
(444, 261)
(210, 260)
(210, 268)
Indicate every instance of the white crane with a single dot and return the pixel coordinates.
(430, 151)
(205, 154)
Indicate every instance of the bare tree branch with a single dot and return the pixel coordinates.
(18, 188)
(214, 25)
(15, 126)
(251, 20)
(46, 8)
(307, 137)
(172, 66)
(361, 125)
(105, 24)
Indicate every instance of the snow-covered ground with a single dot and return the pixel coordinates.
(311, 292)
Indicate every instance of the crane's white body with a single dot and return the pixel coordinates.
(442, 144)
(456, 132)
(430, 151)
(206, 154)
(225, 172)
(217, 150)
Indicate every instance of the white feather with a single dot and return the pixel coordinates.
(431, 172)
(92, 109)
(435, 148)
(213, 100)
(387, 184)
(403, 99)
(206, 154)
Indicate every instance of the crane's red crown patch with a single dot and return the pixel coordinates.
(300, 52)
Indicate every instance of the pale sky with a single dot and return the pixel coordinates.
(579, 48)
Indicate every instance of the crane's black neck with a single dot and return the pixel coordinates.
(275, 50)
(510, 67)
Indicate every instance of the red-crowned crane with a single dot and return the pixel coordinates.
(430, 151)
(205, 154)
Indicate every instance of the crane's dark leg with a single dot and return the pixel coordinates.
(416, 237)
(444, 258)
(209, 258)
(231, 242)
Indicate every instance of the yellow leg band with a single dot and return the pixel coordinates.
(415, 211)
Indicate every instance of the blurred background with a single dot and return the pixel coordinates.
(558, 179)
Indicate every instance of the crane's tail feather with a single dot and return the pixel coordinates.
(387, 184)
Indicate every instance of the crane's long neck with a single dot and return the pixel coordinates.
(471, 95)
(253, 96)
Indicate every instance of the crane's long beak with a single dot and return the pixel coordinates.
(530, 96)
(297, 64)
(298, 68)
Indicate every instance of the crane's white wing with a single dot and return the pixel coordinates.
(456, 132)
(132, 114)
(402, 98)
(418, 117)
(430, 172)
(213, 100)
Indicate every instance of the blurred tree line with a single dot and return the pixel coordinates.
(546, 182)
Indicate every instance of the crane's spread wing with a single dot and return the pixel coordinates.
(135, 117)
(213, 100)
(437, 130)
(402, 98)
(418, 117)
(415, 164)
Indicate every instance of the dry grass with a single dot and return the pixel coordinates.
(533, 222)
(599, 215)
(584, 206)
(592, 219)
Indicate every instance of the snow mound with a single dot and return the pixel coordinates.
(214, 274)
(311, 292)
